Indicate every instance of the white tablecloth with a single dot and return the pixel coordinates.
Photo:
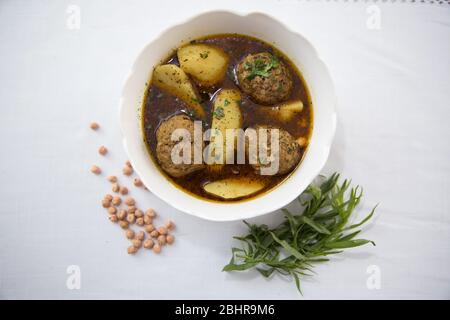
(393, 89)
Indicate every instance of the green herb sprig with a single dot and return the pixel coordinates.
(292, 248)
(261, 68)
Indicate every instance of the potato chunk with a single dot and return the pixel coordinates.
(173, 79)
(207, 64)
(226, 115)
(287, 110)
(232, 188)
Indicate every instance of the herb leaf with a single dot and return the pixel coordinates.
(218, 113)
(261, 68)
(302, 240)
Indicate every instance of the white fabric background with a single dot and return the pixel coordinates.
(392, 138)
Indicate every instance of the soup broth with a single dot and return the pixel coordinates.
(159, 105)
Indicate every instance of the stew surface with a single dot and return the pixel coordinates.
(159, 105)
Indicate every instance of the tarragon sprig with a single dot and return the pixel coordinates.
(292, 248)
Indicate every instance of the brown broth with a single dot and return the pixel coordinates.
(159, 105)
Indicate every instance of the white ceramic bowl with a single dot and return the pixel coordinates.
(272, 31)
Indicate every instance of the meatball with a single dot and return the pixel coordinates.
(165, 145)
(288, 155)
(264, 78)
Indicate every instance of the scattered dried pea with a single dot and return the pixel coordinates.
(130, 201)
(132, 250)
(123, 224)
(137, 182)
(115, 187)
(116, 201)
(129, 234)
(131, 218)
(140, 221)
(161, 240)
(123, 190)
(128, 171)
(122, 214)
(112, 210)
(94, 125)
(140, 235)
(170, 239)
(148, 243)
(136, 243)
(156, 248)
(102, 150)
(96, 170)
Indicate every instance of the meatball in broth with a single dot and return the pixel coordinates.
(165, 145)
(288, 154)
(265, 78)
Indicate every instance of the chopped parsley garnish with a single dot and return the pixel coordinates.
(261, 68)
(218, 113)
(204, 55)
(226, 102)
(195, 100)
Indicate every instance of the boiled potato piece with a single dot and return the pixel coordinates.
(173, 79)
(232, 188)
(287, 110)
(226, 115)
(207, 64)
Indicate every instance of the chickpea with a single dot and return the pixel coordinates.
(151, 213)
(113, 218)
(140, 235)
(132, 209)
(112, 179)
(139, 213)
(122, 214)
(140, 221)
(108, 197)
(149, 228)
(136, 243)
(123, 190)
(147, 219)
(162, 240)
(169, 224)
(94, 125)
(112, 210)
(137, 182)
(130, 201)
(148, 244)
(102, 150)
(129, 234)
(170, 239)
(127, 171)
(116, 201)
(123, 224)
(131, 218)
(128, 163)
(96, 170)
(106, 203)
(156, 248)
(132, 250)
(154, 234)
(115, 187)
(162, 230)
